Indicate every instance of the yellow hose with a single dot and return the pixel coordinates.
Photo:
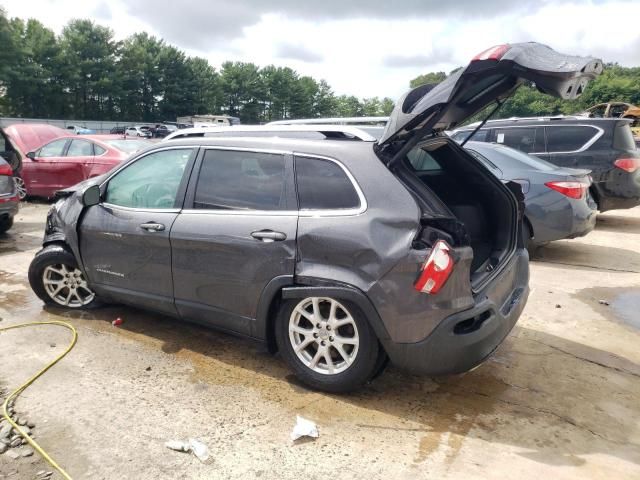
(24, 386)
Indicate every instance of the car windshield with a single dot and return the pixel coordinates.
(128, 146)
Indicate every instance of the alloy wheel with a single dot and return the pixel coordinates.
(67, 286)
(20, 187)
(324, 335)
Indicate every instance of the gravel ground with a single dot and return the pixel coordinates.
(559, 399)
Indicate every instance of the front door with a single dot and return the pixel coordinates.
(236, 233)
(42, 174)
(124, 240)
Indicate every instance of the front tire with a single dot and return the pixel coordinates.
(328, 343)
(55, 278)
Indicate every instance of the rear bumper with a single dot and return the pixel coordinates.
(620, 190)
(8, 206)
(464, 340)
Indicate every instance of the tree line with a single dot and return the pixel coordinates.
(616, 84)
(85, 74)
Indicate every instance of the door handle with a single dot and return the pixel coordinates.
(152, 227)
(269, 236)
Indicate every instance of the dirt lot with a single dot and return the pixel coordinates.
(560, 399)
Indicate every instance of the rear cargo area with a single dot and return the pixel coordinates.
(464, 201)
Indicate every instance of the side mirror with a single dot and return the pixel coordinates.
(91, 196)
(32, 156)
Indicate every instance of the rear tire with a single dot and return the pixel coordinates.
(328, 343)
(6, 224)
(55, 278)
(527, 237)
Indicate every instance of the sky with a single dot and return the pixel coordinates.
(361, 47)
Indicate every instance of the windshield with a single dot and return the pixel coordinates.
(128, 146)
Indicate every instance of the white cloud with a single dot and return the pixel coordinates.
(352, 51)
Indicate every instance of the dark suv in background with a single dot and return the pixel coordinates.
(603, 145)
(340, 254)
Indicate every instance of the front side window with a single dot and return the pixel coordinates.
(80, 148)
(568, 139)
(53, 149)
(524, 139)
(324, 185)
(234, 180)
(150, 182)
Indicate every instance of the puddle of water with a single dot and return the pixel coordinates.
(627, 307)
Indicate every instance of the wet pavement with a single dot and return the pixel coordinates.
(558, 399)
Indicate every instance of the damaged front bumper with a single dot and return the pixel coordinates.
(464, 340)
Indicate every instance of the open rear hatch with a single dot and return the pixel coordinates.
(462, 203)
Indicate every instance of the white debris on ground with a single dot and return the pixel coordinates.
(192, 445)
(304, 428)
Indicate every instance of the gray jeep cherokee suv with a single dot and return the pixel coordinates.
(340, 254)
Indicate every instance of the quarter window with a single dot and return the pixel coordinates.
(323, 185)
(150, 182)
(98, 150)
(526, 140)
(422, 161)
(80, 148)
(53, 149)
(231, 180)
(568, 139)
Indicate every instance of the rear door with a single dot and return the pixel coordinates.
(236, 233)
(569, 146)
(124, 240)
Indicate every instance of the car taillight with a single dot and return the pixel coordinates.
(569, 189)
(5, 169)
(628, 164)
(493, 53)
(436, 269)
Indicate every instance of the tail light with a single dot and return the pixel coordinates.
(493, 53)
(629, 165)
(569, 189)
(436, 269)
(5, 169)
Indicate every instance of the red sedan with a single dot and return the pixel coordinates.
(70, 159)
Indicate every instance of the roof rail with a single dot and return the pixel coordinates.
(527, 119)
(331, 120)
(331, 132)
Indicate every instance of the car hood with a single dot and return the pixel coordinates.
(492, 75)
(28, 137)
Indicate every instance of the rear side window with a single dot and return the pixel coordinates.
(231, 180)
(80, 148)
(324, 185)
(568, 139)
(422, 161)
(524, 139)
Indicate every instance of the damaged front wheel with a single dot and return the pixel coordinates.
(56, 279)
